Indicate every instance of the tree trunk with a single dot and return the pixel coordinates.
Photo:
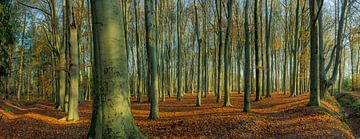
(294, 73)
(73, 114)
(257, 57)
(21, 60)
(268, 30)
(314, 58)
(219, 17)
(227, 90)
(247, 79)
(111, 116)
(179, 39)
(152, 58)
(198, 98)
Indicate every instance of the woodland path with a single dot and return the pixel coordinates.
(278, 117)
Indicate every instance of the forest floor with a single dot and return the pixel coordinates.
(280, 116)
(350, 102)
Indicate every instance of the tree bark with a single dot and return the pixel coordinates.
(21, 60)
(247, 78)
(227, 90)
(73, 113)
(152, 58)
(111, 117)
(179, 39)
(314, 58)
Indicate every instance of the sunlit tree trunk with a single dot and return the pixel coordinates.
(74, 67)
(21, 60)
(227, 90)
(111, 117)
(138, 93)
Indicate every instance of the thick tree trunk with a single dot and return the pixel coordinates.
(73, 113)
(111, 116)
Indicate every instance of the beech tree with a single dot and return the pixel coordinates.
(111, 117)
(247, 87)
(152, 58)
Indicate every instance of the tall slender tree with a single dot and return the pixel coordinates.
(267, 36)
(257, 56)
(219, 25)
(227, 89)
(199, 94)
(152, 58)
(314, 58)
(294, 50)
(247, 78)
(22, 48)
(179, 39)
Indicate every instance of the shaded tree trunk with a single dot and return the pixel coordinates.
(152, 58)
(247, 78)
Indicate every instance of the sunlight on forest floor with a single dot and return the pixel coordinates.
(279, 116)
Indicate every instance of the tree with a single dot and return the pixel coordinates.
(336, 52)
(152, 58)
(22, 48)
(247, 78)
(314, 59)
(219, 25)
(267, 36)
(7, 39)
(257, 57)
(294, 90)
(227, 89)
(179, 39)
(137, 52)
(111, 117)
(198, 98)
(73, 63)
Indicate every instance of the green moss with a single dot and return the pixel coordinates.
(27, 102)
(8, 110)
(351, 101)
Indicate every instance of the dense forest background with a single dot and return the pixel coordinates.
(65, 51)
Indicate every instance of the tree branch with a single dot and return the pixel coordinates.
(33, 7)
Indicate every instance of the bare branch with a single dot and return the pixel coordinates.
(33, 7)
